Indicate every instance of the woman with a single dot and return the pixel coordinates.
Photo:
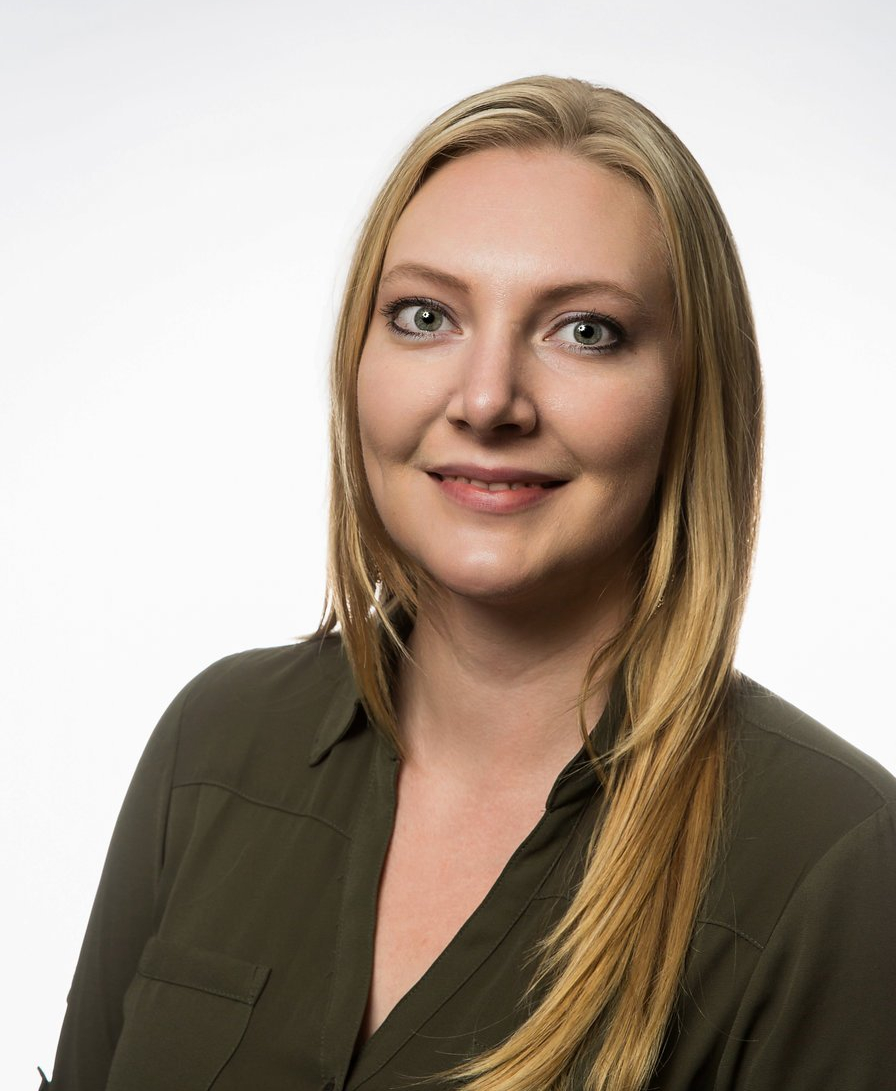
(402, 853)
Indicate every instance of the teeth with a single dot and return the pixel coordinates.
(495, 486)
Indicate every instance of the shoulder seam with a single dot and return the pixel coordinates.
(730, 928)
(885, 806)
(207, 782)
(817, 750)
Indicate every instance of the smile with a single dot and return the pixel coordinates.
(498, 486)
(502, 491)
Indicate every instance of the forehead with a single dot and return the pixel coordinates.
(524, 215)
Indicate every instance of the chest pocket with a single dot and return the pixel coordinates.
(185, 1013)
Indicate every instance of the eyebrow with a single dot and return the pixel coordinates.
(548, 295)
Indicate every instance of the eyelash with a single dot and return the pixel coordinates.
(390, 310)
(600, 319)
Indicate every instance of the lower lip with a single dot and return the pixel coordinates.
(497, 502)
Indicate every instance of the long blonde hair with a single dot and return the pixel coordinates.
(610, 971)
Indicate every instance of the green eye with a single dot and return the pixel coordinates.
(418, 317)
(589, 333)
(427, 319)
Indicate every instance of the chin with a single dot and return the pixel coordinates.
(480, 586)
(472, 577)
(488, 583)
(494, 594)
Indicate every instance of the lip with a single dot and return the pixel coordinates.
(494, 474)
(498, 501)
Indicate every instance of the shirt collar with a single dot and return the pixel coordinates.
(342, 701)
(580, 778)
(342, 706)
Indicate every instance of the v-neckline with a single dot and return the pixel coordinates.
(505, 902)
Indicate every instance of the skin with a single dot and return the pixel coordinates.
(526, 589)
(496, 385)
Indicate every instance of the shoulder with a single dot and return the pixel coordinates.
(769, 730)
(801, 800)
(249, 717)
(265, 677)
(795, 953)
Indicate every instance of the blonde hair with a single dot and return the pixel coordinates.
(610, 971)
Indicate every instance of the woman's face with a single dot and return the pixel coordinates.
(518, 375)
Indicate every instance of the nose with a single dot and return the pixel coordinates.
(491, 398)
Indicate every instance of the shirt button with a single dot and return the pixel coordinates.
(330, 1085)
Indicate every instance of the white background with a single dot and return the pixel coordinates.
(180, 188)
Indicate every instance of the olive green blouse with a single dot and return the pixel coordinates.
(231, 939)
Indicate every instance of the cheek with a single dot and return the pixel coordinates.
(379, 414)
(394, 409)
(624, 428)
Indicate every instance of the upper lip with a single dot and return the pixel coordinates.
(492, 474)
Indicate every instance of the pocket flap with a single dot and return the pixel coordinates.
(209, 971)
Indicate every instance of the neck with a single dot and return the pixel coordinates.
(499, 683)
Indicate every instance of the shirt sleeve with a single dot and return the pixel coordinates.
(122, 918)
(820, 1009)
